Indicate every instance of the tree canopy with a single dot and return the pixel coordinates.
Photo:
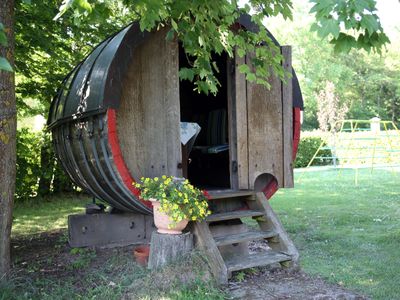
(206, 27)
(366, 83)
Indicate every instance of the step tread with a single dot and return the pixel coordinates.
(233, 215)
(240, 262)
(221, 194)
(252, 235)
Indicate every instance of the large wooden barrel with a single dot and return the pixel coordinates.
(99, 147)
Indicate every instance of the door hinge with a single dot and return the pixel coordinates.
(234, 166)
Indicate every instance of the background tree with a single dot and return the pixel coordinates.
(8, 126)
(367, 83)
(45, 52)
(329, 108)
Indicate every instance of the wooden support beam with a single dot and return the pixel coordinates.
(271, 222)
(205, 241)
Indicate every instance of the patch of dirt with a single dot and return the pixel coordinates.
(275, 282)
(278, 283)
(49, 255)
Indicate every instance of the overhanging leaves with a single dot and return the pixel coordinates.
(5, 65)
(349, 24)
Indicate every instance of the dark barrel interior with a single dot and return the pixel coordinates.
(209, 158)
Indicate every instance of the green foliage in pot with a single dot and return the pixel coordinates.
(178, 198)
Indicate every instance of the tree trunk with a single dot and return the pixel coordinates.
(8, 123)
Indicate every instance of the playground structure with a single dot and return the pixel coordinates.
(361, 144)
(123, 114)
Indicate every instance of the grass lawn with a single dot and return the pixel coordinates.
(47, 214)
(347, 234)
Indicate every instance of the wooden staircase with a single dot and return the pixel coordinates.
(224, 235)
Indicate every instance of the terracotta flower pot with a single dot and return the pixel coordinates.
(162, 221)
(141, 254)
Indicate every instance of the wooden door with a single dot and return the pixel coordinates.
(262, 123)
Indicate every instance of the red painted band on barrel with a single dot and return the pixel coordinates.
(118, 157)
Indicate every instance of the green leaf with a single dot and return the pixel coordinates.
(241, 52)
(3, 38)
(5, 65)
(174, 25)
(65, 5)
(370, 22)
(202, 87)
(244, 69)
(360, 5)
(323, 7)
(215, 66)
(329, 26)
(201, 41)
(314, 27)
(203, 73)
(251, 77)
(84, 4)
(344, 43)
(170, 35)
(186, 74)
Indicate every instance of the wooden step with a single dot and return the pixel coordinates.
(236, 263)
(234, 215)
(222, 194)
(252, 235)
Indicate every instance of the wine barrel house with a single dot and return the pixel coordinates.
(120, 115)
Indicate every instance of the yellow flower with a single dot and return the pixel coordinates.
(155, 179)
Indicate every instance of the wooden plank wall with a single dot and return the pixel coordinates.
(287, 118)
(237, 106)
(269, 128)
(265, 138)
(149, 115)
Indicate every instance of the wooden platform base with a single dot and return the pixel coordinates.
(106, 229)
(227, 249)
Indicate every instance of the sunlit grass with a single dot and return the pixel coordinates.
(348, 234)
(48, 214)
